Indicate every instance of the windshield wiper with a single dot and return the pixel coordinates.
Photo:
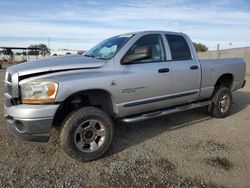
(89, 55)
(93, 56)
(102, 58)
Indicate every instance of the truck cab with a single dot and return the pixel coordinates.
(173, 65)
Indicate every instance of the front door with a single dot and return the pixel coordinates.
(145, 84)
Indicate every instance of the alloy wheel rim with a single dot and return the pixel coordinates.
(90, 135)
(224, 103)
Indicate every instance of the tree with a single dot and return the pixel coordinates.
(40, 47)
(200, 47)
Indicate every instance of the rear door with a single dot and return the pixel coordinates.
(186, 71)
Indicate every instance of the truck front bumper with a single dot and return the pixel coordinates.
(30, 122)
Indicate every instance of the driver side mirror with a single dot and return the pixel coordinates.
(139, 53)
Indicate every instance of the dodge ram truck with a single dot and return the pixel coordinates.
(130, 78)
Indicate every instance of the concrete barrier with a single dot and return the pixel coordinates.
(235, 52)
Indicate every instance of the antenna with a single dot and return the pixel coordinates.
(49, 43)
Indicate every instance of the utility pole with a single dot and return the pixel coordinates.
(218, 50)
(49, 43)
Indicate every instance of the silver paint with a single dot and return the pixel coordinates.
(80, 73)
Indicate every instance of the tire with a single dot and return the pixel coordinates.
(86, 134)
(221, 103)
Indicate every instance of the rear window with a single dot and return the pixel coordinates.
(178, 47)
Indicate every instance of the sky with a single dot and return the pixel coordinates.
(80, 24)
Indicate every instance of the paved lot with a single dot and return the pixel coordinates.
(188, 149)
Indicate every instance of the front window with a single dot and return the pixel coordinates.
(109, 47)
(147, 49)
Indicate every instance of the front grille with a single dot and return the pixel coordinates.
(9, 78)
(8, 84)
(8, 89)
(11, 89)
(8, 102)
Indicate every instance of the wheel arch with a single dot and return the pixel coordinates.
(99, 98)
(225, 80)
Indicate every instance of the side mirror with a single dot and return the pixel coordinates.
(139, 53)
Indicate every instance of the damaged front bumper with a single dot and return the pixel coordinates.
(30, 122)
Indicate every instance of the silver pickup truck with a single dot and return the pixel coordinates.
(130, 77)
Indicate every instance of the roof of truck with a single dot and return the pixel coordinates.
(154, 31)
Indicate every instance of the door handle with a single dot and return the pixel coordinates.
(163, 70)
(194, 67)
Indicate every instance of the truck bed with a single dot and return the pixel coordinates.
(212, 69)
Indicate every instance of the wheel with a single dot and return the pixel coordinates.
(221, 103)
(86, 134)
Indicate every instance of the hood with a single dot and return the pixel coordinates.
(70, 62)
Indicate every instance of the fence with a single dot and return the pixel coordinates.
(20, 58)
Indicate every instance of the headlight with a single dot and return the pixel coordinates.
(39, 91)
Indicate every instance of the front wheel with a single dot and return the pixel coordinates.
(221, 103)
(86, 134)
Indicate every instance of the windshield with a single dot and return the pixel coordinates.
(109, 47)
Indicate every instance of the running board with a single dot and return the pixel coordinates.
(165, 112)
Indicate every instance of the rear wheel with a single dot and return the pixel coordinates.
(221, 103)
(86, 134)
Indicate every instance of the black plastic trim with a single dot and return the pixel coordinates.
(53, 71)
(244, 83)
(160, 99)
(194, 67)
(163, 70)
